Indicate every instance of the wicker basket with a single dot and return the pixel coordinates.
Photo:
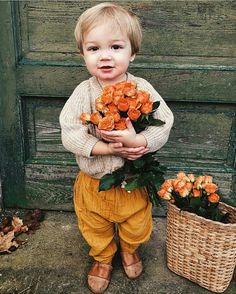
(201, 250)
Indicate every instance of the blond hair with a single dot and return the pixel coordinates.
(118, 17)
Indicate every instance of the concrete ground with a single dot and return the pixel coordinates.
(54, 260)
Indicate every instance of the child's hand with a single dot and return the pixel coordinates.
(127, 137)
(126, 152)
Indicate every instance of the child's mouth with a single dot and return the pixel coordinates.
(106, 67)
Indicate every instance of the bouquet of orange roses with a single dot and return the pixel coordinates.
(116, 103)
(197, 195)
(120, 101)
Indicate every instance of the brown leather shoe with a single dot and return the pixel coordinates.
(99, 277)
(132, 264)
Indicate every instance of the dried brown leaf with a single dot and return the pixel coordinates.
(13, 226)
(18, 226)
(7, 242)
(32, 220)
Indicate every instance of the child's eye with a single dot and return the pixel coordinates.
(92, 48)
(116, 47)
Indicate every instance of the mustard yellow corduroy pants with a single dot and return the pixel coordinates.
(98, 212)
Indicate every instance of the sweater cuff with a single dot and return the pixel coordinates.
(148, 137)
(88, 147)
(159, 141)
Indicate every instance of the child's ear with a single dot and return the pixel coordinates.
(132, 58)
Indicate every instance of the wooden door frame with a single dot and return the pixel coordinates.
(11, 142)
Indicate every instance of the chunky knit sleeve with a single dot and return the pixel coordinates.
(76, 137)
(157, 136)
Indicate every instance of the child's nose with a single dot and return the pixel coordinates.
(105, 55)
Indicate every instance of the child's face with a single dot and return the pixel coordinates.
(107, 54)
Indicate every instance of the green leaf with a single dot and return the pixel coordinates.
(156, 122)
(138, 163)
(158, 182)
(119, 178)
(155, 105)
(144, 178)
(149, 158)
(202, 212)
(195, 202)
(132, 185)
(106, 182)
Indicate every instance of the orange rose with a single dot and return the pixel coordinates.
(198, 182)
(181, 175)
(189, 186)
(117, 97)
(146, 108)
(115, 116)
(129, 91)
(175, 182)
(214, 198)
(118, 93)
(120, 86)
(95, 118)
(106, 123)
(183, 192)
(167, 185)
(197, 193)
(178, 184)
(208, 179)
(130, 84)
(191, 177)
(134, 103)
(142, 96)
(101, 107)
(107, 98)
(112, 108)
(85, 118)
(123, 104)
(210, 188)
(121, 124)
(98, 100)
(164, 194)
(134, 114)
(108, 90)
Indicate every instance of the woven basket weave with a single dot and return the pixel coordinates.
(201, 250)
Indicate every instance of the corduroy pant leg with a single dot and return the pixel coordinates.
(91, 211)
(137, 228)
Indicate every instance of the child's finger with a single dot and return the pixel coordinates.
(135, 150)
(117, 145)
(129, 124)
(111, 133)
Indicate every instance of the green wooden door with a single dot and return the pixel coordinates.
(188, 54)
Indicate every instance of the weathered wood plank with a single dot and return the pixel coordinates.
(172, 84)
(48, 196)
(141, 61)
(200, 135)
(196, 28)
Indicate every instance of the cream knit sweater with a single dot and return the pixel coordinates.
(80, 139)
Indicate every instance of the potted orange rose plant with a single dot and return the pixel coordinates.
(201, 231)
